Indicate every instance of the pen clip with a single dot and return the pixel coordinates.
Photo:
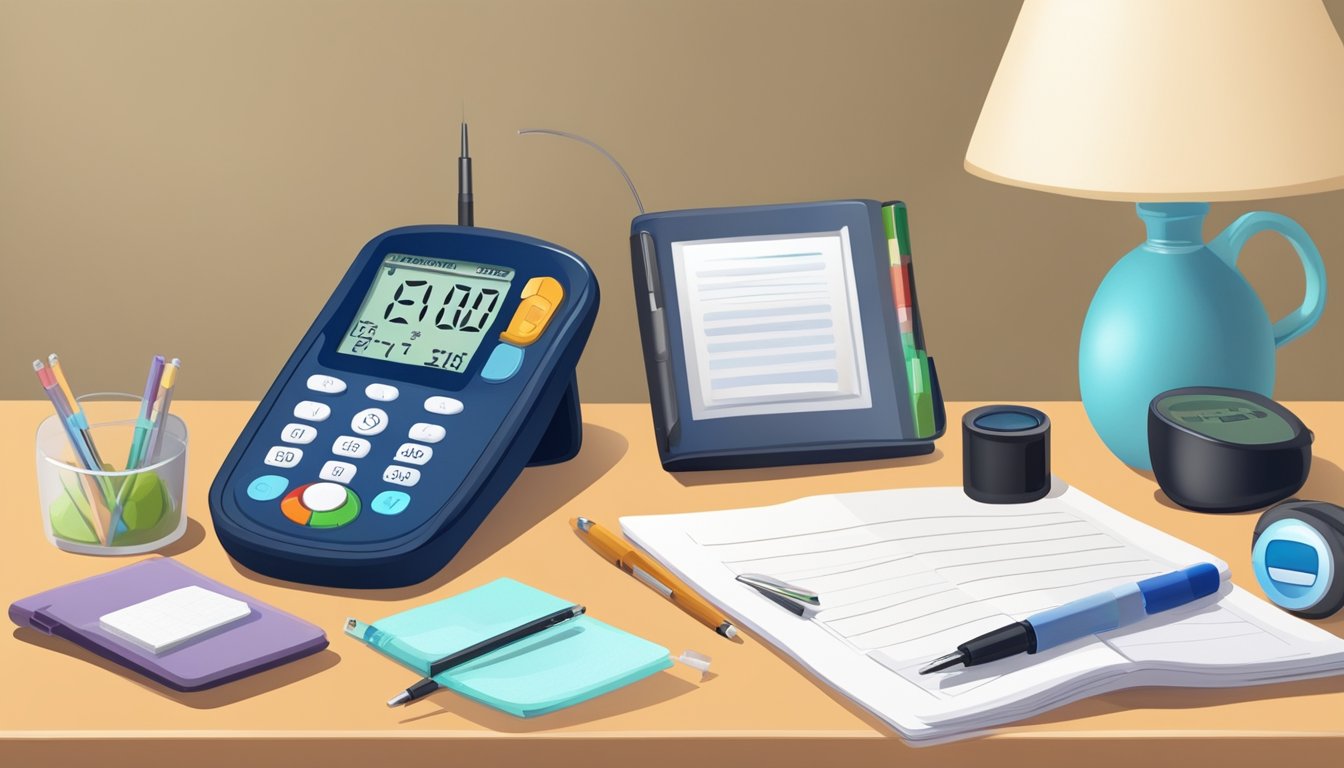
(799, 600)
(653, 583)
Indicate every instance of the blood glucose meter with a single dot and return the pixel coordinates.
(442, 364)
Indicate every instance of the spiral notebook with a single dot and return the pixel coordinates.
(556, 668)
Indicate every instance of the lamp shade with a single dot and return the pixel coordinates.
(1165, 100)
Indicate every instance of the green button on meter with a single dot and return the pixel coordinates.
(342, 515)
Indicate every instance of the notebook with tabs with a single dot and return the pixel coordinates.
(783, 334)
(171, 624)
(556, 668)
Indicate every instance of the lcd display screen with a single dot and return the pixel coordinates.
(426, 311)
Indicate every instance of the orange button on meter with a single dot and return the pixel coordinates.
(541, 297)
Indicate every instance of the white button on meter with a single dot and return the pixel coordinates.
(323, 497)
(369, 421)
(406, 476)
(427, 433)
(444, 406)
(329, 385)
(283, 456)
(339, 471)
(383, 393)
(412, 453)
(353, 447)
(298, 434)
(311, 410)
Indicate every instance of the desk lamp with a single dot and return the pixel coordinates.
(1171, 104)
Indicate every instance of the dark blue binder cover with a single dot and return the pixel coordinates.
(883, 429)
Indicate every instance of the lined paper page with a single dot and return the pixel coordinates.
(907, 575)
(771, 324)
(913, 583)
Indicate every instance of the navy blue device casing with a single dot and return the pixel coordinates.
(885, 430)
(531, 418)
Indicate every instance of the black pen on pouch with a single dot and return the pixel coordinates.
(427, 685)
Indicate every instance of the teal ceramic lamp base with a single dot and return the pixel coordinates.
(1176, 312)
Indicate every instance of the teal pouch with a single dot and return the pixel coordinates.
(553, 669)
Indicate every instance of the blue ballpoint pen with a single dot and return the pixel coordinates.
(1090, 615)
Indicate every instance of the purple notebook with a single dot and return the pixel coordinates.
(266, 638)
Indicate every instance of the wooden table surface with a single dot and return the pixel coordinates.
(62, 705)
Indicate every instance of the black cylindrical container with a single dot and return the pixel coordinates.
(1005, 454)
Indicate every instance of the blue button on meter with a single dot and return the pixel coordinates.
(267, 488)
(390, 502)
(504, 362)
(1296, 555)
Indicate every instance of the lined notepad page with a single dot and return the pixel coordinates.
(771, 324)
(905, 576)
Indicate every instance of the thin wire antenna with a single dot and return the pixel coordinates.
(598, 147)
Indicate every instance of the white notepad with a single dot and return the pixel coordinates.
(771, 325)
(162, 623)
(907, 575)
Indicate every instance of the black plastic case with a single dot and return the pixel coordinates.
(1206, 475)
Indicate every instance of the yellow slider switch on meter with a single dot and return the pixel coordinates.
(541, 297)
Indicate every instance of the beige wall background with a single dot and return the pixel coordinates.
(193, 178)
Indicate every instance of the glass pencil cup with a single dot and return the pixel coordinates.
(111, 511)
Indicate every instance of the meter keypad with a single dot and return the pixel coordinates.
(320, 504)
